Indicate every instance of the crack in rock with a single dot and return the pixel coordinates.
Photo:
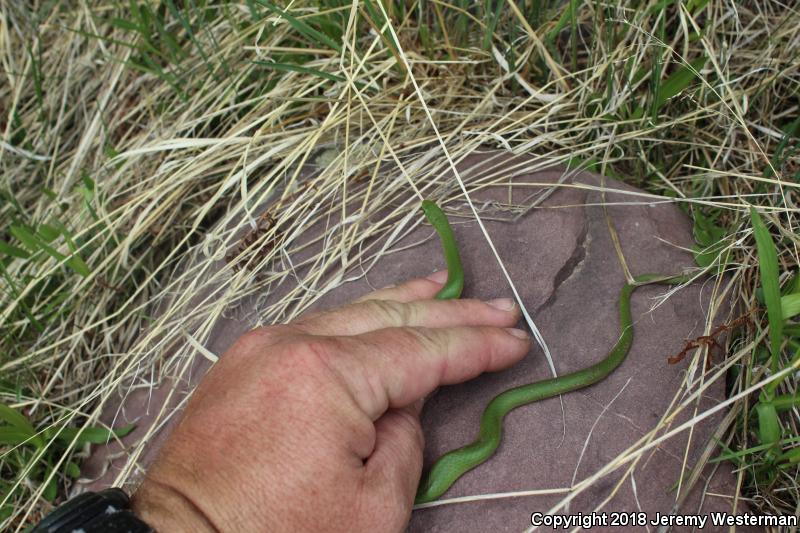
(571, 266)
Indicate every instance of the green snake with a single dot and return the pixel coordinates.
(452, 465)
(455, 272)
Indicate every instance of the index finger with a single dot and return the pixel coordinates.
(395, 367)
(415, 289)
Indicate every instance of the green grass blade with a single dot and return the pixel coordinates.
(784, 402)
(75, 261)
(491, 23)
(792, 456)
(92, 435)
(678, 81)
(768, 269)
(124, 25)
(302, 27)
(176, 13)
(736, 456)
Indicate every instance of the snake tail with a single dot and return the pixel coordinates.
(455, 272)
(452, 465)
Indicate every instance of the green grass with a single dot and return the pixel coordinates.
(129, 129)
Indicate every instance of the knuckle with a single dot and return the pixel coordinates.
(255, 338)
(260, 341)
(390, 311)
(470, 308)
(309, 318)
(318, 353)
(465, 310)
(496, 345)
(491, 348)
(425, 340)
(266, 335)
(469, 303)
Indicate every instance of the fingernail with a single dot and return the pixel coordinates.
(503, 304)
(520, 334)
(440, 276)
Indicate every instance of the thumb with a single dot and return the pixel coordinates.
(395, 466)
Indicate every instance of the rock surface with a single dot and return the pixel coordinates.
(564, 264)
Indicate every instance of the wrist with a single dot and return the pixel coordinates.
(107, 511)
(167, 509)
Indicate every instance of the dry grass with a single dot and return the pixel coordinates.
(136, 139)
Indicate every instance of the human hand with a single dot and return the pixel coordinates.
(314, 425)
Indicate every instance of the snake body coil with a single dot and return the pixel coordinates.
(455, 272)
(452, 465)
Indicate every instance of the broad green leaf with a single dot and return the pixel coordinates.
(51, 490)
(47, 232)
(72, 470)
(12, 436)
(790, 305)
(25, 236)
(709, 238)
(16, 419)
(785, 402)
(13, 251)
(75, 261)
(706, 231)
(769, 427)
(705, 257)
(88, 182)
(38, 242)
(792, 456)
(678, 81)
(768, 270)
(30, 240)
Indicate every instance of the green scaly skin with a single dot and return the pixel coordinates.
(452, 465)
(455, 272)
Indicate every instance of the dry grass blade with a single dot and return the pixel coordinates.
(140, 137)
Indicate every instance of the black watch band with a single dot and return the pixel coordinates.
(107, 511)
